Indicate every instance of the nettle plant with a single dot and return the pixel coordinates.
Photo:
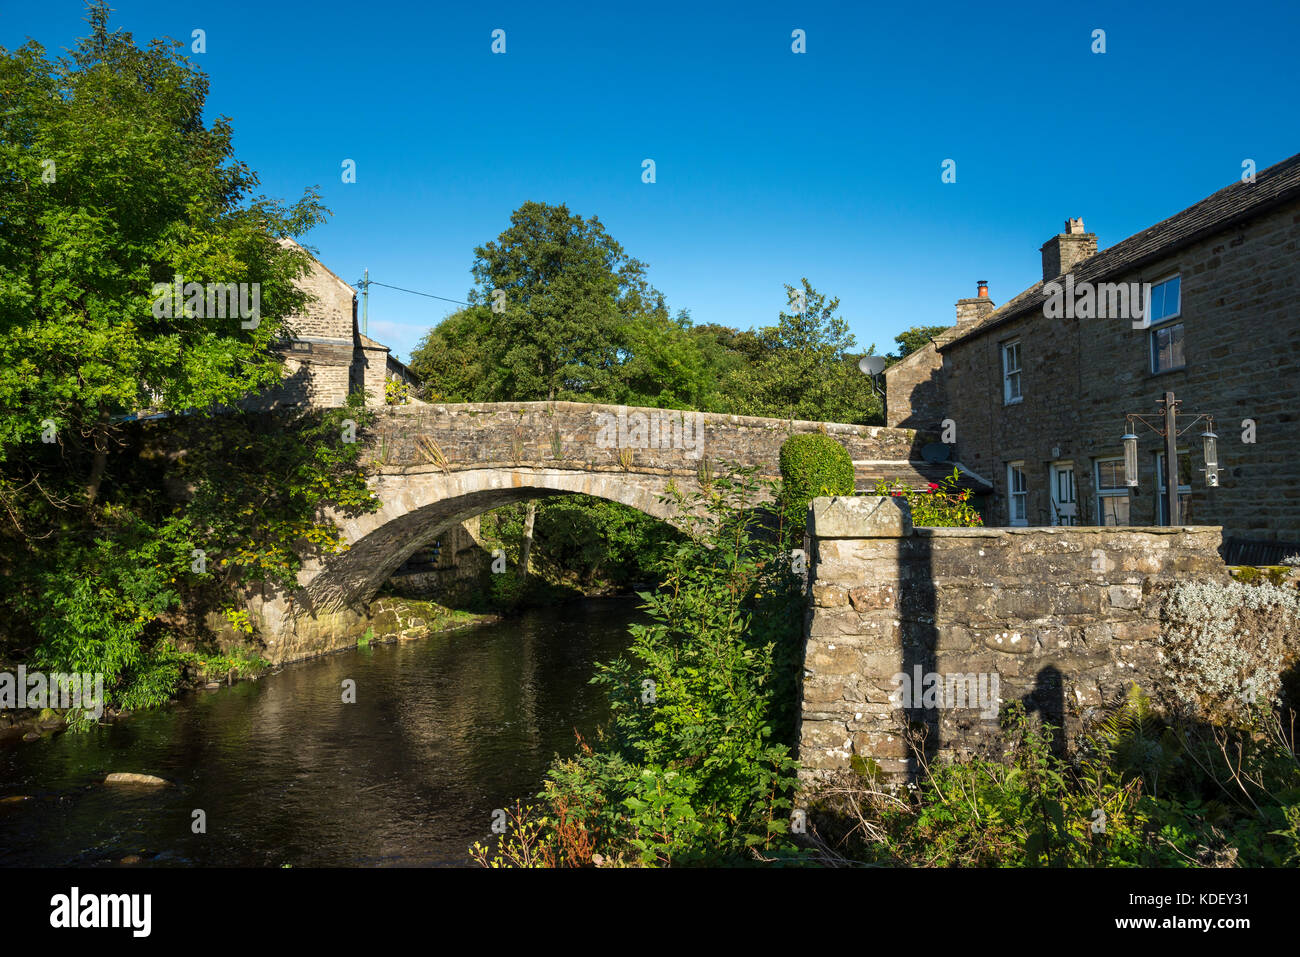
(1227, 644)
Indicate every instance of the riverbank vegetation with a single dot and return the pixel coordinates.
(696, 765)
(135, 496)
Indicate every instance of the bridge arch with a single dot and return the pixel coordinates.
(419, 506)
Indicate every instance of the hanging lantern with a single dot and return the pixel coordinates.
(1130, 459)
(1209, 444)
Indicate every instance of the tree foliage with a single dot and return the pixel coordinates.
(111, 182)
(576, 319)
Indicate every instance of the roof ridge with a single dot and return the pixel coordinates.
(1272, 185)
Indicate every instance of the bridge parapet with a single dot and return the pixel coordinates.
(600, 438)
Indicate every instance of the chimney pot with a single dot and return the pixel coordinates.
(977, 306)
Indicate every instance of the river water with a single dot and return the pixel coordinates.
(443, 731)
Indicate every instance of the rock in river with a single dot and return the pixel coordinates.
(122, 777)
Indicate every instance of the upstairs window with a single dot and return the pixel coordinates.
(1011, 372)
(1165, 307)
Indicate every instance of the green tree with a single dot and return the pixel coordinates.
(112, 185)
(804, 367)
(109, 183)
(567, 288)
(909, 340)
(453, 358)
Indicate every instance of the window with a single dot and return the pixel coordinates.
(1166, 340)
(1184, 487)
(1018, 493)
(1011, 372)
(1112, 493)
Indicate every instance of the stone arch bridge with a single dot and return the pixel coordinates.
(435, 466)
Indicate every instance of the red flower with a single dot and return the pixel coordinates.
(897, 493)
(933, 487)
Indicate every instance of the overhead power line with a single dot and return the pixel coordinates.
(413, 292)
(365, 282)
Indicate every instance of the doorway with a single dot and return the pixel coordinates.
(1065, 506)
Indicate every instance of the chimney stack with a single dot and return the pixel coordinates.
(1063, 252)
(978, 306)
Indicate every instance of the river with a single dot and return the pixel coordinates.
(443, 731)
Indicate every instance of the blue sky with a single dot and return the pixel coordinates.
(771, 165)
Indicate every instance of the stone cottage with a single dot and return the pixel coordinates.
(326, 354)
(1205, 304)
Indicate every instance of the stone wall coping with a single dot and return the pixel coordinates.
(999, 530)
(877, 516)
(592, 408)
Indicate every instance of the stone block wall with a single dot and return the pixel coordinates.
(1241, 318)
(1062, 619)
(451, 572)
(577, 435)
(914, 393)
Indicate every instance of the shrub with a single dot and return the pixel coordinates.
(811, 465)
(1140, 791)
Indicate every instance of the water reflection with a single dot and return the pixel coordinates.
(442, 732)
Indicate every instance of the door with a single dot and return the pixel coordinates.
(1065, 509)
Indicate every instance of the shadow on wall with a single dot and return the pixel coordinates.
(920, 644)
(920, 657)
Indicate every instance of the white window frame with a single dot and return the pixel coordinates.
(1183, 490)
(1166, 323)
(1014, 469)
(1007, 372)
(1105, 493)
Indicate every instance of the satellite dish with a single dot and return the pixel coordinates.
(872, 365)
(935, 452)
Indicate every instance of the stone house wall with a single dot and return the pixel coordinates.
(1065, 618)
(914, 392)
(1241, 319)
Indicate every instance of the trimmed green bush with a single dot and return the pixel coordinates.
(811, 465)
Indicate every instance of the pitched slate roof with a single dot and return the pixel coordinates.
(1272, 187)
